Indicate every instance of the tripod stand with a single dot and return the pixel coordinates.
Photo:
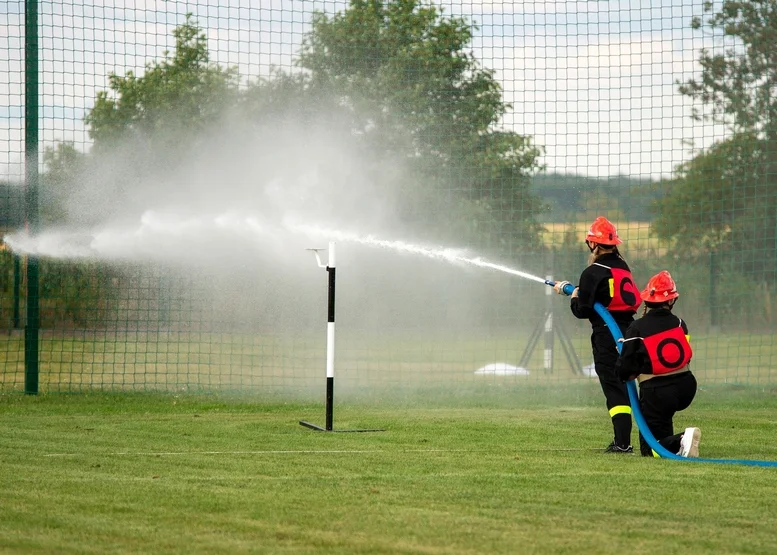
(546, 326)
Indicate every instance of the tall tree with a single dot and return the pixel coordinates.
(709, 194)
(148, 124)
(173, 99)
(739, 82)
(730, 192)
(405, 75)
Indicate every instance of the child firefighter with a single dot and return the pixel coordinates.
(607, 280)
(656, 350)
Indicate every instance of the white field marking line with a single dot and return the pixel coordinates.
(193, 479)
(267, 452)
(303, 452)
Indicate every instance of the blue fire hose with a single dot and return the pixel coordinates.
(634, 399)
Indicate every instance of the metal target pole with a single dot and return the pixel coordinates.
(330, 345)
(547, 358)
(330, 338)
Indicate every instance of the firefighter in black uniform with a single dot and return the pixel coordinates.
(656, 350)
(608, 281)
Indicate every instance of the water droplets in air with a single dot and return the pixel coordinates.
(166, 235)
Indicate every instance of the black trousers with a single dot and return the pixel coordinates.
(660, 398)
(615, 393)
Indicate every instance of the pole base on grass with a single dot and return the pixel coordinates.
(320, 429)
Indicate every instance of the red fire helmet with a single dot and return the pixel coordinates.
(660, 288)
(603, 232)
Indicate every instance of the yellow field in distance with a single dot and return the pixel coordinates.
(636, 236)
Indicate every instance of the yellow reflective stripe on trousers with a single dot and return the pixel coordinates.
(620, 409)
(656, 455)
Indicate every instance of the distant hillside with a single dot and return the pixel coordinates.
(575, 197)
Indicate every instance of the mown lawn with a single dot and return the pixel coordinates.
(495, 472)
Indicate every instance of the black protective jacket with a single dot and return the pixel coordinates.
(635, 358)
(595, 287)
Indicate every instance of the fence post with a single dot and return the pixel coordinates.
(31, 160)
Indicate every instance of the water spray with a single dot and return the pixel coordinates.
(442, 254)
(157, 235)
(634, 399)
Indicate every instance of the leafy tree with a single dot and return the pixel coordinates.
(709, 194)
(727, 197)
(174, 98)
(403, 66)
(148, 125)
(738, 82)
(410, 88)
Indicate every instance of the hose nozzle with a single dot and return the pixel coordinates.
(567, 289)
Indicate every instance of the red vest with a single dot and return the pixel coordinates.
(625, 295)
(668, 350)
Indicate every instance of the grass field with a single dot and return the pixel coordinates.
(496, 473)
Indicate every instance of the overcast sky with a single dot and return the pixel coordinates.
(593, 82)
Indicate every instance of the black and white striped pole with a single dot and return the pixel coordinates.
(330, 345)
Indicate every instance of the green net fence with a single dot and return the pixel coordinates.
(189, 154)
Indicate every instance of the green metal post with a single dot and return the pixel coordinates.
(32, 324)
